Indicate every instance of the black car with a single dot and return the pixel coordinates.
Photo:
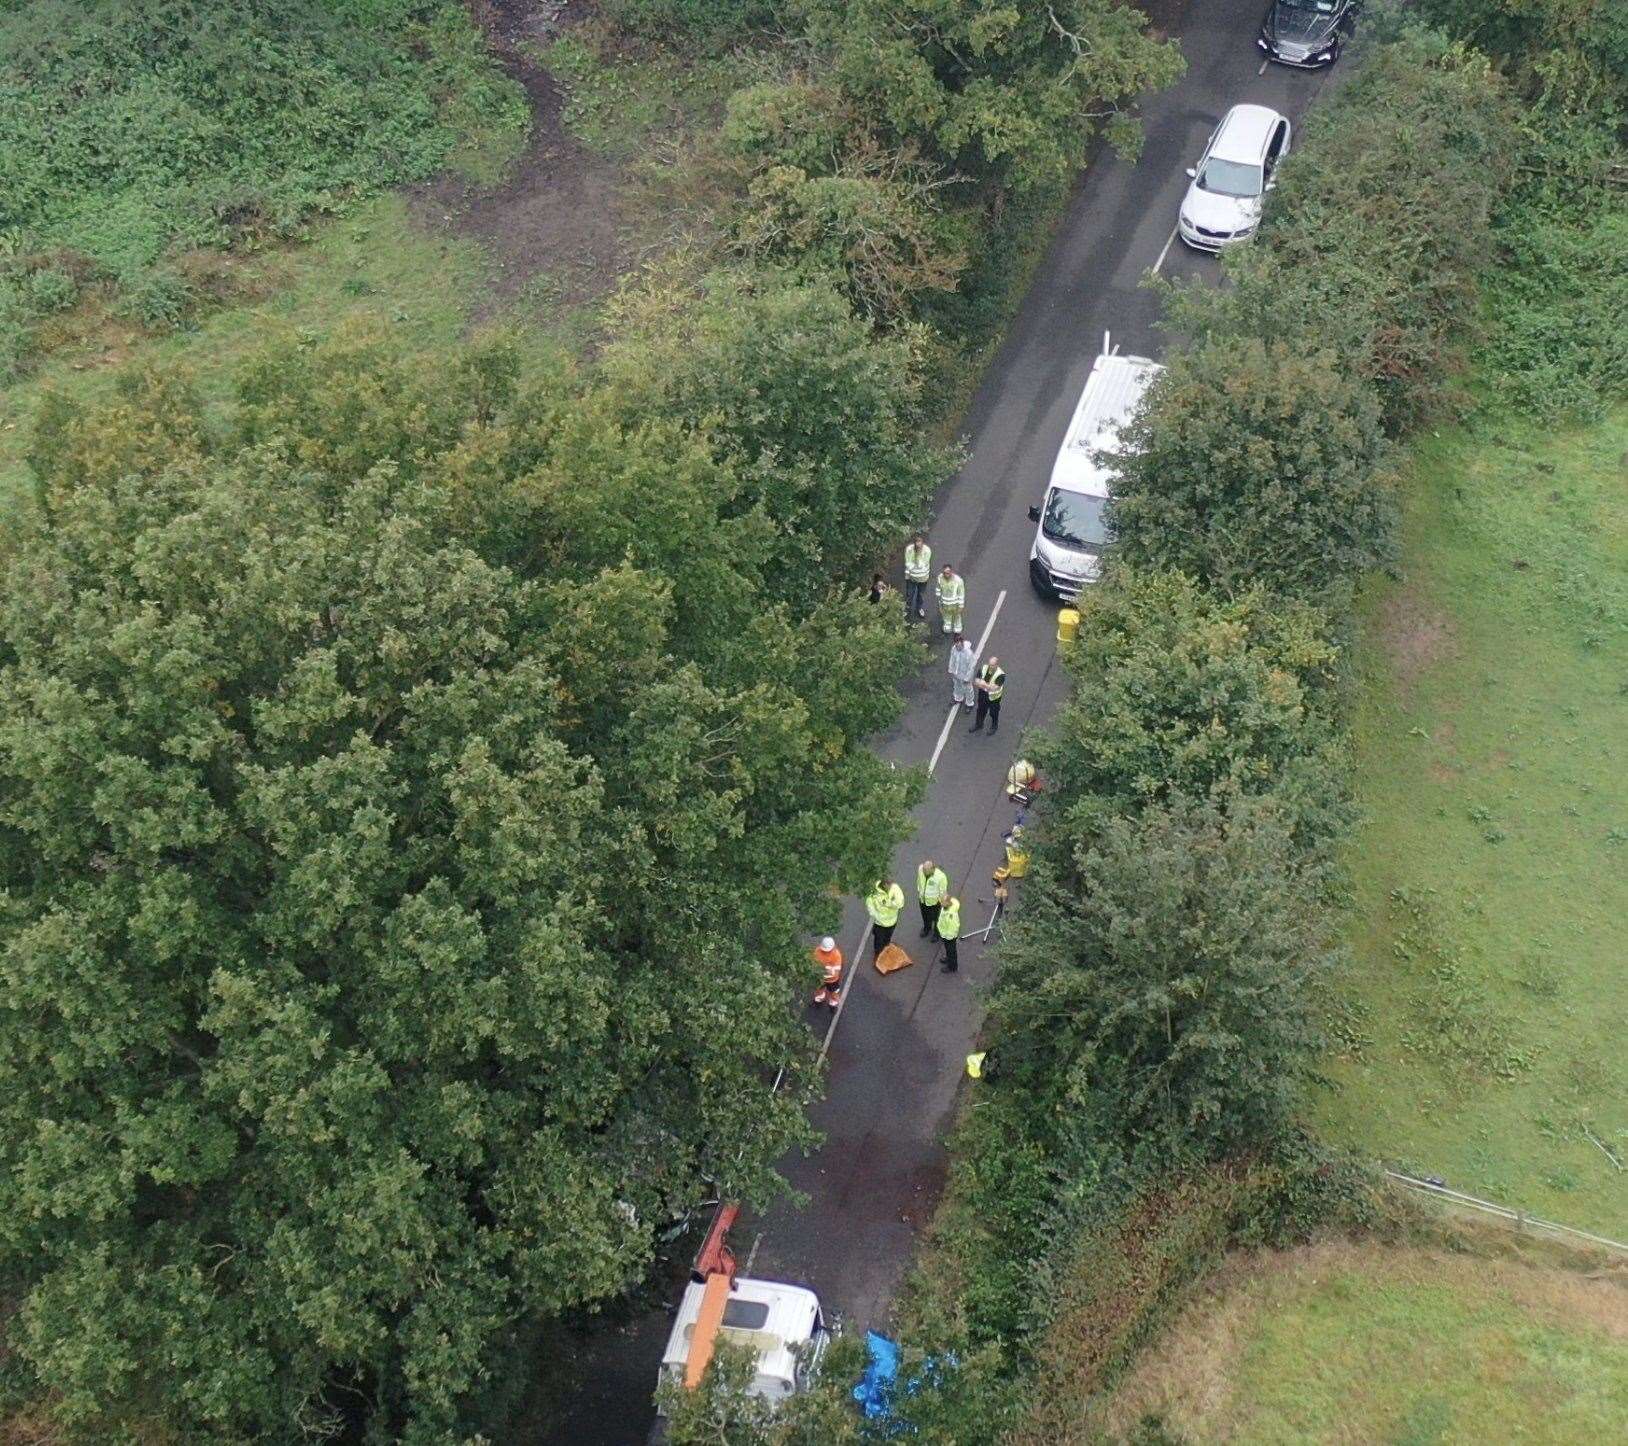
(1307, 33)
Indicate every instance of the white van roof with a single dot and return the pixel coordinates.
(773, 1319)
(1112, 393)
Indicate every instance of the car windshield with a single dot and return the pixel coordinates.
(1074, 520)
(1230, 178)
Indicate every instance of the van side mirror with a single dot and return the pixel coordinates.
(1034, 514)
(1193, 172)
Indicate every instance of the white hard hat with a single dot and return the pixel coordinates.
(828, 943)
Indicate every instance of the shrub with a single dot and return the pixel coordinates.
(876, 235)
(1256, 462)
(789, 123)
(128, 128)
(1175, 690)
(159, 297)
(48, 290)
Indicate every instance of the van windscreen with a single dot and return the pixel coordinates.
(1074, 520)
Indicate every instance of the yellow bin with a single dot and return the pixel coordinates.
(1068, 624)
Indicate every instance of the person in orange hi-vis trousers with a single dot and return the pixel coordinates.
(829, 958)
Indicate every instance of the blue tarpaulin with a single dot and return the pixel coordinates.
(876, 1388)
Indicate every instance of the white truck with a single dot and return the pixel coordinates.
(1072, 527)
(781, 1324)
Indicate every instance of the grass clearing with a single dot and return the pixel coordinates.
(149, 146)
(373, 265)
(623, 94)
(1349, 1342)
(1479, 1031)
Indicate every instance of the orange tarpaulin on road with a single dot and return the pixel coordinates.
(891, 958)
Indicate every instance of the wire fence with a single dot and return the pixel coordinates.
(1520, 1219)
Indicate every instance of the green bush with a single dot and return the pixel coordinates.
(788, 123)
(824, 417)
(891, 162)
(48, 290)
(29, 292)
(159, 297)
(878, 237)
(1571, 54)
(1162, 963)
(1178, 690)
(1257, 462)
(129, 128)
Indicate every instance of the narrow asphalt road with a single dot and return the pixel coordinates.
(896, 1056)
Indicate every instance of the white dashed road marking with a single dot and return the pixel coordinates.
(852, 959)
(1168, 243)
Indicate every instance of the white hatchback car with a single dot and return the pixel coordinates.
(1223, 205)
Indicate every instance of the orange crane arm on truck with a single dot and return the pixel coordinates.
(705, 1339)
(714, 1264)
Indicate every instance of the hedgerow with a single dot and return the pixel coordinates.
(1258, 462)
(1379, 228)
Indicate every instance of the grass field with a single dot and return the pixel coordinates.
(1367, 1343)
(1480, 1030)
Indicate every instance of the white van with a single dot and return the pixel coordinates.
(1072, 530)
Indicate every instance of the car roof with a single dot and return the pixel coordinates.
(1243, 132)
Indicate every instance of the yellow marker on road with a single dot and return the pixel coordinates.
(1068, 624)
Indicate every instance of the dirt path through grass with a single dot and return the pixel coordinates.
(554, 223)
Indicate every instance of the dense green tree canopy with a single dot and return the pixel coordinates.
(1009, 91)
(1256, 463)
(1574, 52)
(1179, 690)
(1160, 965)
(414, 809)
(823, 419)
